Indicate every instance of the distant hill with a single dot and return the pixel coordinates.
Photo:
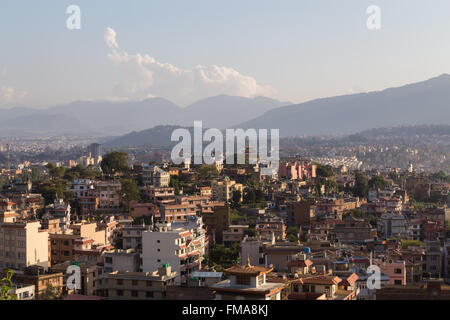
(108, 118)
(159, 136)
(426, 102)
(227, 111)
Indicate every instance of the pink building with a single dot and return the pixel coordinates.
(396, 270)
(297, 170)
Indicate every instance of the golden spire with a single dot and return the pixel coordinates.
(248, 262)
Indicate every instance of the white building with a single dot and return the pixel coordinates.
(81, 187)
(393, 225)
(22, 244)
(180, 245)
(155, 176)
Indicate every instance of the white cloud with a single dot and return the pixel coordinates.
(11, 95)
(110, 39)
(142, 76)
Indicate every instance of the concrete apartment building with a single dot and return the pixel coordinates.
(223, 190)
(23, 244)
(177, 212)
(216, 222)
(108, 193)
(158, 195)
(268, 224)
(297, 170)
(124, 285)
(393, 225)
(234, 234)
(40, 279)
(352, 230)
(433, 259)
(155, 176)
(181, 246)
(82, 187)
(89, 276)
(23, 292)
(59, 210)
(121, 260)
(300, 213)
(132, 236)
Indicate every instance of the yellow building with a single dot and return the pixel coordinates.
(223, 190)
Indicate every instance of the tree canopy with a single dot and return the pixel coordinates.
(115, 162)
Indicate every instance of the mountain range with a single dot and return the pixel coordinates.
(108, 118)
(426, 102)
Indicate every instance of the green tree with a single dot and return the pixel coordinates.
(236, 198)
(249, 196)
(115, 162)
(6, 286)
(207, 172)
(324, 171)
(377, 182)
(130, 192)
(52, 293)
(361, 185)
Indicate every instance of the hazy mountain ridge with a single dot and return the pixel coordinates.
(426, 102)
(108, 118)
(160, 136)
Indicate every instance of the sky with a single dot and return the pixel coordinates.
(291, 50)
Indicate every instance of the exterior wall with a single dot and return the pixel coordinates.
(23, 245)
(159, 248)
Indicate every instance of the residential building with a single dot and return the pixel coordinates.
(23, 244)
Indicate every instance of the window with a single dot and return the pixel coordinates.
(120, 293)
(134, 282)
(119, 282)
(397, 282)
(149, 283)
(134, 293)
(149, 294)
(398, 271)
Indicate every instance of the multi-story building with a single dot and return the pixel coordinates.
(433, 259)
(132, 236)
(41, 280)
(268, 224)
(126, 285)
(158, 195)
(60, 210)
(216, 222)
(234, 234)
(177, 212)
(81, 187)
(352, 230)
(297, 170)
(121, 260)
(300, 213)
(109, 194)
(23, 291)
(223, 190)
(23, 244)
(180, 245)
(155, 176)
(393, 225)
